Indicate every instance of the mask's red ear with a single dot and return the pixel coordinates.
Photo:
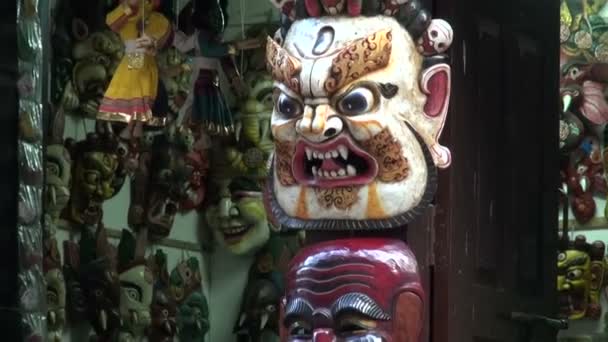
(408, 320)
(436, 84)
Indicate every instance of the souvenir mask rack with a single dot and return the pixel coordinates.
(164, 203)
(581, 259)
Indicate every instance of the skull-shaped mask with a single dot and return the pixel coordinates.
(437, 38)
(358, 114)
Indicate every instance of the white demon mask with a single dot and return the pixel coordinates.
(358, 114)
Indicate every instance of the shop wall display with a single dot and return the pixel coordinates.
(583, 141)
(131, 251)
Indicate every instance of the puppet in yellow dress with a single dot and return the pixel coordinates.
(134, 87)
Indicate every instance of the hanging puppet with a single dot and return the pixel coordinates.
(131, 95)
(361, 96)
(201, 26)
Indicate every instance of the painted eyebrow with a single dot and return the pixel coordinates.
(298, 308)
(579, 261)
(361, 304)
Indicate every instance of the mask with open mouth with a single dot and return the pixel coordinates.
(97, 175)
(360, 103)
(100, 283)
(238, 217)
(158, 185)
(580, 279)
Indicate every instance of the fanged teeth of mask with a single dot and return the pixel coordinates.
(340, 155)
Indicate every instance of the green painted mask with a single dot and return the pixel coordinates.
(580, 279)
(238, 217)
(193, 318)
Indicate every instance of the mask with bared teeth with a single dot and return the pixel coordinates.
(360, 103)
(160, 182)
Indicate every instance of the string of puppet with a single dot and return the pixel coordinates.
(242, 11)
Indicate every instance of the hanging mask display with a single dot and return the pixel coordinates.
(85, 56)
(164, 319)
(584, 54)
(58, 166)
(580, 281)
(158, 186)
(136, 84)
(193, 311)
(238, 218)
(163, 309)
(584, 171)
(197, 164)
(75, 298)
(193, 318)
(100, 283)
(136, 286)
(55, 288)
(236, 213)
(97, 175)
(358, 114)
(259, 316)
(378, 296)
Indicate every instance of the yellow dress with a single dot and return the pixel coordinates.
(132, 91)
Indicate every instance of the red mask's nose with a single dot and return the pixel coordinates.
(323, 335)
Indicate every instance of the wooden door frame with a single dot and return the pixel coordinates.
(445, 236)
